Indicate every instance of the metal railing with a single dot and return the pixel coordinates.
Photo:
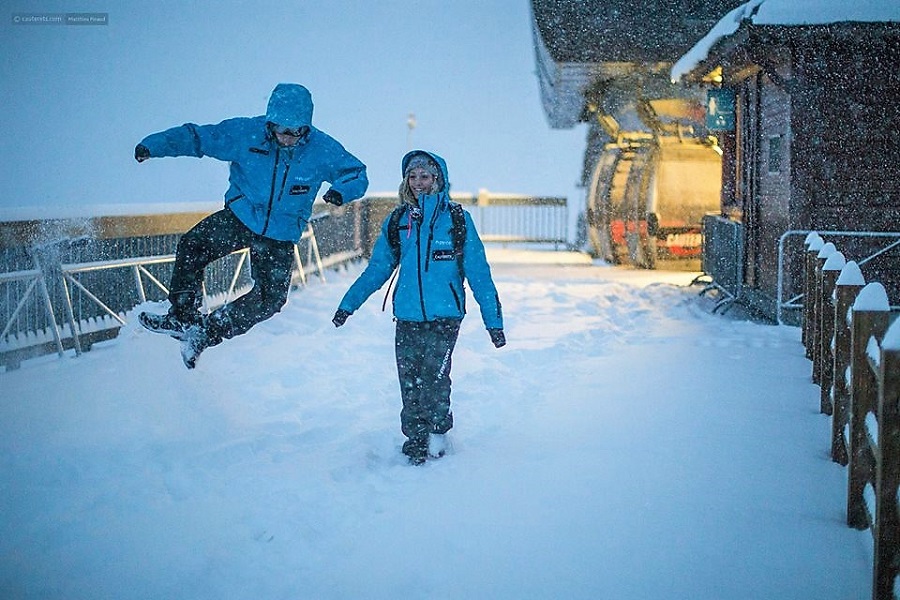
(722, 260)
(792, 256)
(139, 265)
(509, 218)
(77, 291)
(67, 284)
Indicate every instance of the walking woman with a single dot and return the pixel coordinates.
(434, 243)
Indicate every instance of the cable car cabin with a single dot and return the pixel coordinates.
(647, 199)
(650, 170)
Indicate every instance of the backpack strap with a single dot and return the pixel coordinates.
(394, 231)
(393, 236)
(458, 233)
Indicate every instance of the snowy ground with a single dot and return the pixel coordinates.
(626, 444)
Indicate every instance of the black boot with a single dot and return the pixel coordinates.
(183, 312)
(208, 332)
(168, 324)
(416, 449)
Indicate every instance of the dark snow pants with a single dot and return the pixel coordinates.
(218, 235)
(423, 352)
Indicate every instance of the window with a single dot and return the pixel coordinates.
(775, 152)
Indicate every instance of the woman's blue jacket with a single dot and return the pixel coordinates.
(430, 285)
(272, 188)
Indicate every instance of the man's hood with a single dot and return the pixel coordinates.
(290, 105)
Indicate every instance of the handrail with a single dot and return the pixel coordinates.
(781, 303)
(66, 273)
(96, 267)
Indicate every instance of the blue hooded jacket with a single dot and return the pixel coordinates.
(272, 188)
(429, 284)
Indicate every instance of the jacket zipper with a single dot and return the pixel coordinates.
(287, 168)
(431, 224)
(419, 270)
(456, 298)
(272, 190)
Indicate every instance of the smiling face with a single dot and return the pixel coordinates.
(420, 181)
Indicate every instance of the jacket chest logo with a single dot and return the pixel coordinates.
(297, 190)
(439, 255)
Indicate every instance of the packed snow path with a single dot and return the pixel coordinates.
(626, 445)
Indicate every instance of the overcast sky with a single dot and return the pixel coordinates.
(77, 98)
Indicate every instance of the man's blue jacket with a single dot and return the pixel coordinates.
(272, 188)
(430, 285)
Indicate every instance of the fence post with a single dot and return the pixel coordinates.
(848, 285)
(887, 530)
(814, 243)
(830, 271)
(870, 316)
(819, 297)
(482, 200)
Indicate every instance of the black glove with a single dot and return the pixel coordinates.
(141, 153)
(340, 317)
(497, 337)
(332, 196)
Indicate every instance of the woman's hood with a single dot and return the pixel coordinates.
(440, 162)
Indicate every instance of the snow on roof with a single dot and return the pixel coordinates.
(787, 13)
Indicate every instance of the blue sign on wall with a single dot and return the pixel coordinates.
(720, 109)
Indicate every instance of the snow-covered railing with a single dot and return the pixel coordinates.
(67, 283)
(855, 351)
(77, 290)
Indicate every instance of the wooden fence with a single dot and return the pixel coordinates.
(855, 352)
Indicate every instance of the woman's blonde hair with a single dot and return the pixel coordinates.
(425, 162)
(406, 194)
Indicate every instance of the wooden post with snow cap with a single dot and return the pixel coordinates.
(814, 243)
(818, 298)
(887, 528)
(848, 285)
(870, 318)
(830, 271)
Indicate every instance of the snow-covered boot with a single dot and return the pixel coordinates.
(183, 313)
(194, 341)
(208, 332)
(168, 324)
(438, 445)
